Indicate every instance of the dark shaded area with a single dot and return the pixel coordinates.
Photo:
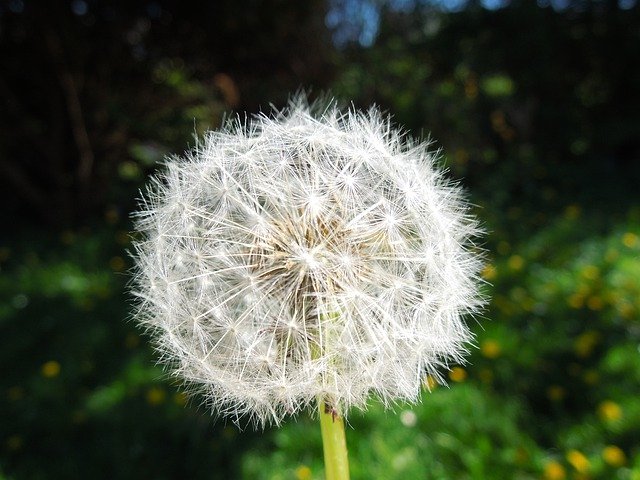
(537, 111)
(84, 83)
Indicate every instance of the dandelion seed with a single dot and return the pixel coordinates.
(310, 254)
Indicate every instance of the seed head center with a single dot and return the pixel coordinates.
(309, 258)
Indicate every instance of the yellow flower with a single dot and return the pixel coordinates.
(155, 396)
(51, 369)
(303, 473)
(630, 240)
(458, 374)
(490, 272)
(614, 456)
(578, 461)
(516, 262)
(554, 471)
(609, 411)
(490, 349)
(590, 272)
(585, 343)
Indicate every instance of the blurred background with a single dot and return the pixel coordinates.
(536, 107)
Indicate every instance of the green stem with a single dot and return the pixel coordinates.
(336, 461)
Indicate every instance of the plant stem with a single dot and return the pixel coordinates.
(336, 460)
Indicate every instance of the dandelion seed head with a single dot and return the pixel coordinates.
(309, 253)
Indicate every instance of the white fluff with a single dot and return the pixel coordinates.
(313, 253)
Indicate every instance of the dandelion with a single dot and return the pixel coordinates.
(310, 255)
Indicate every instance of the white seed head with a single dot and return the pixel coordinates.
(311, 253)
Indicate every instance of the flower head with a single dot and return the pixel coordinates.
(304, 254)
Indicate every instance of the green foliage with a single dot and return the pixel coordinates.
(82, 397)
(431, 440)
(551, 389)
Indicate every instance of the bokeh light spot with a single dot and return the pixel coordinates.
(303, 473)
(578, 461)
(609, 411)
(554, 471)
(458, 374)
(51, 369)
(614, 456)
(155, 396)
(490, 349)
